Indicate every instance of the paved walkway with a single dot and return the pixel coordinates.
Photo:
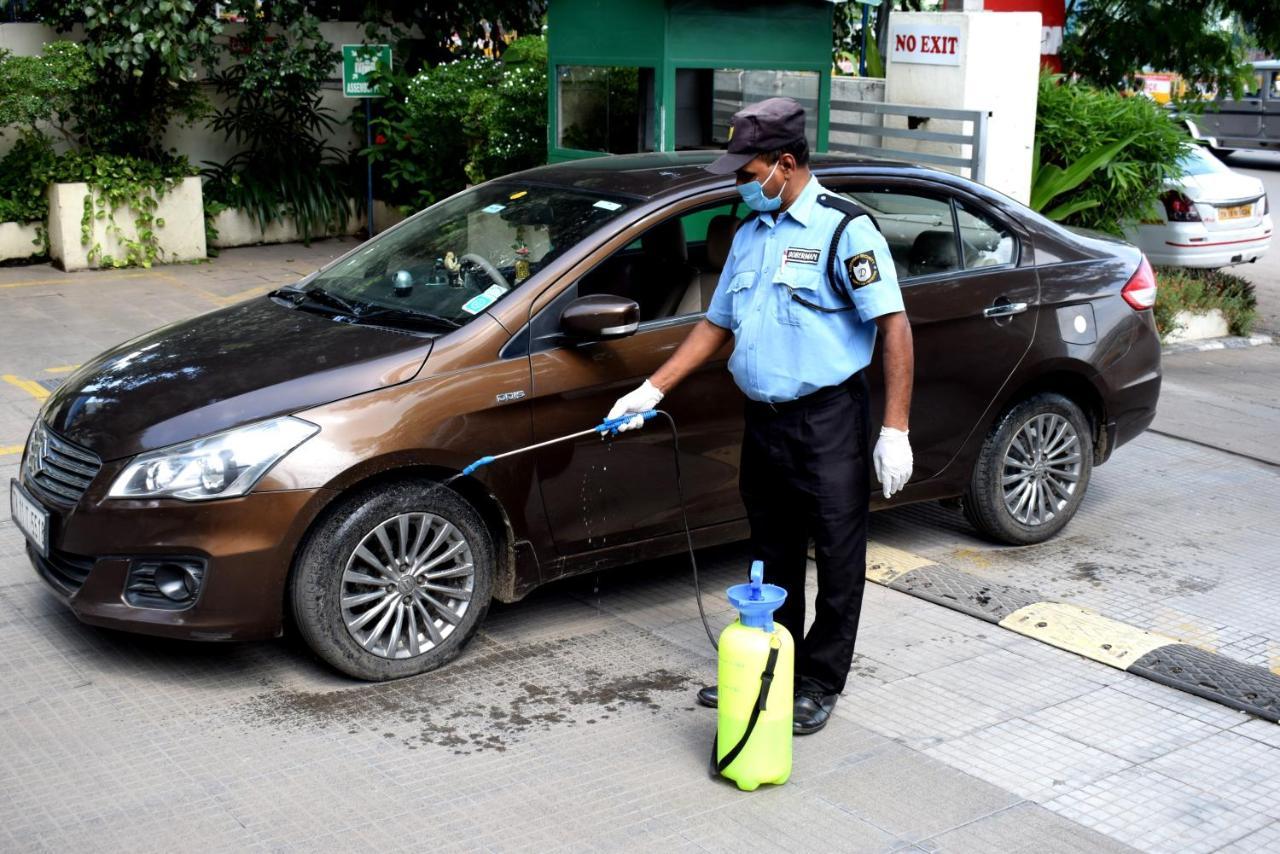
(570, 725)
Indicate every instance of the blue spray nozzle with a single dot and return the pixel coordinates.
(611, 425)
(757, 601)
(480, 463)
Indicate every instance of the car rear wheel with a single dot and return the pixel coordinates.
(1032, 473)
(394, 581)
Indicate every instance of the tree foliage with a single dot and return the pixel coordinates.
(35, 89)
(424, 33)
(1111, 41)
(146, 56)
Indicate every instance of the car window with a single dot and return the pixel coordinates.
(1252, 89)
(462, 255)
(671, 270)
(920, 230)
(984, 241)
(1275, 85)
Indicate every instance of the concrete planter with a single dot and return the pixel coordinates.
(236, 227)
(1196, 326)
(20, 240)
(180, 239)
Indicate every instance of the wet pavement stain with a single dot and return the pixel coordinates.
(490, 699)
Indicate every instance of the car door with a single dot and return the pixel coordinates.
(1236, 120)
(599, 492)
(1271, 108)
(971, 295)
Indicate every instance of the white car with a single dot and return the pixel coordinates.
(1211, 217)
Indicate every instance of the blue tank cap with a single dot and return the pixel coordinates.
(757, 601)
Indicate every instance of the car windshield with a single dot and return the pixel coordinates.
(1196, 160)
(460, 256)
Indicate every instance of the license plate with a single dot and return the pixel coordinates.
(30, 517)
(1235, 212)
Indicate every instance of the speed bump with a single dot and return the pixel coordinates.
(1246, 687)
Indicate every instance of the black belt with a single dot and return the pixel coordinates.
(813, 398)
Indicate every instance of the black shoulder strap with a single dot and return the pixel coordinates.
(766, 679)
(851, 210)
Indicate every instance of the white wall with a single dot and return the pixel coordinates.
(998, 73)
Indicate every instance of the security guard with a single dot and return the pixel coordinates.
(801, 344)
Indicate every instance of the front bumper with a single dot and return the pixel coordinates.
(246, 546)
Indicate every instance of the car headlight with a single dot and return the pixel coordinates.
(219, 466)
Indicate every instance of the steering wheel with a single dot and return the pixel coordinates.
(489, 270)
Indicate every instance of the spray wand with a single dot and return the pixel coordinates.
(611, 427)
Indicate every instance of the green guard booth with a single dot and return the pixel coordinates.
(667, 75)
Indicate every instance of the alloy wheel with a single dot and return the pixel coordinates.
(407, 585)
(1042, 468)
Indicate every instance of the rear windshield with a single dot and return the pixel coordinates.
(1198, 161)
(464, 254)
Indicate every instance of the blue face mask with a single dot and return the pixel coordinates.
(753, 195)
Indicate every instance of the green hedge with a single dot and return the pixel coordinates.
(461, 123)
(1073, 121)
(1183, 289)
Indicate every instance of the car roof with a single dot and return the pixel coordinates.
(1267, 65)
(650, 176)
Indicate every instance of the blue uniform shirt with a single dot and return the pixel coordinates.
(782, 348)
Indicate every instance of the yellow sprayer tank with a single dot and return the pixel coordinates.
(756, 669)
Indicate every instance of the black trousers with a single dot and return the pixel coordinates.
(805, 474)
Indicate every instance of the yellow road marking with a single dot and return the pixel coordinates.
(61, 369)
(209, 295)
(35, 283)
(248, 293)
(34, 389)
(10, 449)
(1084, 632)
(885, 563)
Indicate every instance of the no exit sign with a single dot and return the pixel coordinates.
(925, 44)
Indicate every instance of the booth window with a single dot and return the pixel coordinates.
(707, 98)
(605, 108)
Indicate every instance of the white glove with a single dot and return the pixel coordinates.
(643, 399)
(893, 460)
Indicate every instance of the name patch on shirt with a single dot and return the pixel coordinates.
(801, 256)
(862, 269)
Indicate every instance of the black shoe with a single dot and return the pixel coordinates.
(709, 697)
(812, 711)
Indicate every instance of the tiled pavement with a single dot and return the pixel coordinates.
(569, 724)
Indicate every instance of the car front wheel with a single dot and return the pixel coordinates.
(394, 581)
(1032, 473)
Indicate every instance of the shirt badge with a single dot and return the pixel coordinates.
(862, 269)
(796, 255)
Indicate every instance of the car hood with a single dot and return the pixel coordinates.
(1221, 187)
(239, 364)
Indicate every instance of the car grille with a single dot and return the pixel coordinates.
(66, 572)
(57, 470)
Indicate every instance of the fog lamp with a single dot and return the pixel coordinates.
(176, 582)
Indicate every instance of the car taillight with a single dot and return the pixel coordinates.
(1140, 290)
(1179, 208)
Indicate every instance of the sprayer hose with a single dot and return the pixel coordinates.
(688, 535)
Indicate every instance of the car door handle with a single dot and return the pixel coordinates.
(1005, 309)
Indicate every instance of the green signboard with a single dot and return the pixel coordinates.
(358, 62)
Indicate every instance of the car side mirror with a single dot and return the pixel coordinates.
(600, 317)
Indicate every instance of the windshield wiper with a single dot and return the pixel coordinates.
(319, 296)
(407, 317)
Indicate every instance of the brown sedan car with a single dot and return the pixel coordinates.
(284, 457)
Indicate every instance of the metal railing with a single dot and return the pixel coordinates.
(878, 137)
